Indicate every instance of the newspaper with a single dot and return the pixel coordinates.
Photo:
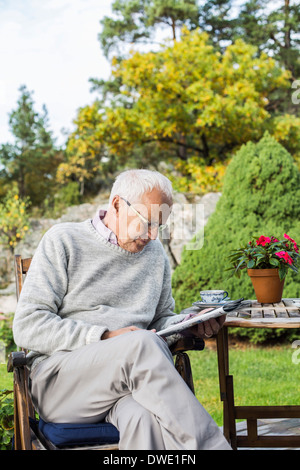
(229, 306)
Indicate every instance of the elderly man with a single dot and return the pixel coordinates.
(93, 298)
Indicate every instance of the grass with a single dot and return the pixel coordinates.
(6, 379)
(263, 375)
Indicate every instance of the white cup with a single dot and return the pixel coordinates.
(213, 296)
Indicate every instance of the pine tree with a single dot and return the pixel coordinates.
(273, 28)
(32, 159)
(136, 21)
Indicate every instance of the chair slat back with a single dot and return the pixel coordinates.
(21, 269)
(25, 406)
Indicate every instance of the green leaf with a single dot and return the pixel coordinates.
(282, 272)
(259, 256)
(274, 262)
(293, 268)
(240, 264)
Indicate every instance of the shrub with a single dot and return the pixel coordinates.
(261, 195)
(6, 419)
(14, 219)
(68, 195)
(6, 395)
(6, 334)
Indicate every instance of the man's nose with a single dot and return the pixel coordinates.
(152, 232)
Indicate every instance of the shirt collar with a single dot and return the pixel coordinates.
(101, 228)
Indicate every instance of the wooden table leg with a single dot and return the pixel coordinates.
(223, 367)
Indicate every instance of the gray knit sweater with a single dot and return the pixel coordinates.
(79, 286)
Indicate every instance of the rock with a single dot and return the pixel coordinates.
(8, 303)
(186, 221)
(209, 202)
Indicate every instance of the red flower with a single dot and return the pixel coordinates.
(289, 238)
(285, 256)
(293, 241)
(263, 240)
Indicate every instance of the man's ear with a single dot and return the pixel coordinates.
(116, 204)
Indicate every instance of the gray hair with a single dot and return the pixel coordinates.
(132, 184)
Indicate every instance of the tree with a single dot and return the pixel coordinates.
(192, 101)
(274, 29)
(216, 18)
(271, 27)
(14, 221)
(85, 154)
(136, 21)
(32, 159)
(261, 196)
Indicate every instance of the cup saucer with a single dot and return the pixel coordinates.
(200, 303)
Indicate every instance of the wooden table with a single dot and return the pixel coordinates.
(285, 314)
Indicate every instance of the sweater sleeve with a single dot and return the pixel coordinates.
(37, 325)
(165, 314)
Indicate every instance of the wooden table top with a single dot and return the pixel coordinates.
(284, 314)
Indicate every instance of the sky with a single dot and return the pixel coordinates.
(51, 46)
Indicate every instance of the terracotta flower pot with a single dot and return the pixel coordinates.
(267, 285)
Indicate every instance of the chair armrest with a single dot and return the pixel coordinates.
(187, 344)
(16, 359)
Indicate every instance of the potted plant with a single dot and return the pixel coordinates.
(267, 261)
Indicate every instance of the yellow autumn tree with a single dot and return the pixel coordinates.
(83, 149)
(192, 97)
(187, 103)
(14, 219)
(198, 105)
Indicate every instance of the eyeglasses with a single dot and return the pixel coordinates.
(150, 226)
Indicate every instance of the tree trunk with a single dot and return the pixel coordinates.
(82, 187)
(287, 27)
(174, 29)
(205, 146)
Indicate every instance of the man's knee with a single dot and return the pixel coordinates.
(140, 417)
(148, 339)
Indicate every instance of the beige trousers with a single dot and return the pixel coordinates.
(129, 380)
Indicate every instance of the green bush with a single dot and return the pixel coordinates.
(261, 196)
(6, 419)
(6, 335)
(6, 395)
(68, 195)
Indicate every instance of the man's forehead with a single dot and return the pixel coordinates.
(155, 197)
(159, 206)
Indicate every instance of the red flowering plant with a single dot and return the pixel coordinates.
(266, 253)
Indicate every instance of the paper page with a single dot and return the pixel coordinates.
(198, 318)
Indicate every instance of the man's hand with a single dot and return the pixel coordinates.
(208, 328)
(121, 331)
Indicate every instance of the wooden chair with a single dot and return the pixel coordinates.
(27, 432)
